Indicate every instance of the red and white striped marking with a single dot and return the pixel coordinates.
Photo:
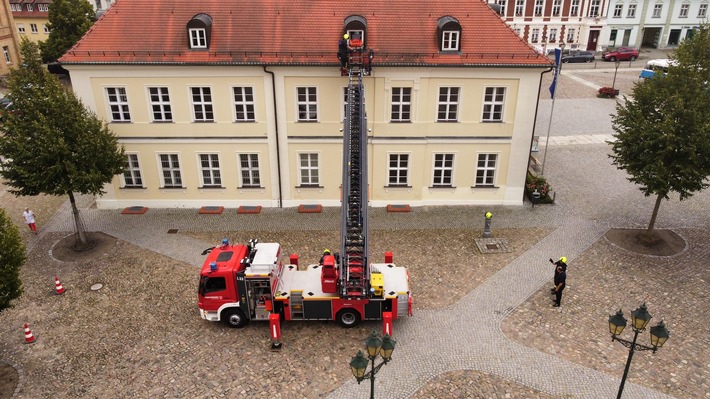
(59, 290)
(29, 338)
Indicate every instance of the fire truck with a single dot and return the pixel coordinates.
(244, 282)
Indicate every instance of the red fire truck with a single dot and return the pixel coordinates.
(239, 283)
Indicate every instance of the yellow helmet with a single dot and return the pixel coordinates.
(563, 259)
(326, 251)
(346, 36)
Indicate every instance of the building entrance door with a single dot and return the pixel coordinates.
(627, 37)
(593, 39)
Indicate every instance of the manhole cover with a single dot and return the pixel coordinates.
(492, 246)
(173, 231)
(96, 287)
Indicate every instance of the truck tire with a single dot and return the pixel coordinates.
(234, 318)
(348, 318)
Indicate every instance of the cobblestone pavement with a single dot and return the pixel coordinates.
(501, 339)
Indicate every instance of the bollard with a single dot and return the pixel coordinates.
(535, 198)
(487, 225)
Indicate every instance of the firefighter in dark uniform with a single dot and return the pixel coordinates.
(343, 51)
(560, 281)
(560, 263)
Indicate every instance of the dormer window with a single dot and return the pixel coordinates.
(198, 38)
(199, 31)
(356, 26)
(449, 34)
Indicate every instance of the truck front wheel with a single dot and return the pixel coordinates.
(348, 318)
(234, 318)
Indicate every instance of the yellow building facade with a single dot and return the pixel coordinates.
(31, 18)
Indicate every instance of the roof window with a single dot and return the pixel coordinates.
(199, 31)
(449, 34)
(356, 26)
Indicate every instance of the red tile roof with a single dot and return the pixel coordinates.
(298, 32)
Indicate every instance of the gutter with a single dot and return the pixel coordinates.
(276, 131)
(532, 136)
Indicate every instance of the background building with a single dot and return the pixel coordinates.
(31, 18)
(8, 40)
(241, 103)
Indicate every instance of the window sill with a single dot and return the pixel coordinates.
(309, 186)
(398, 186)
(250, 188)
(172, 188)
(163, 122)
(121, 122)
(210, 188)
(305, 121)
(133, 188)
(444, 187)
(447, 121)
(245, 121)
(500, 121)
(205, 121)
(486, 187)
(409, 121)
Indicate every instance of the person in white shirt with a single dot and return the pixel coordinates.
(30, 219)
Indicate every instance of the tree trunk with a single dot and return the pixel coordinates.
(652, 223)
(79, 227)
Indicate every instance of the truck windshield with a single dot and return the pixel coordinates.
(211, 284)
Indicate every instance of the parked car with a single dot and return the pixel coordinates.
(578, 56)
(621, 54)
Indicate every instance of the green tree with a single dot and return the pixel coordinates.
(663, 132)
(68, 22)
(12, 257)
(51, 143)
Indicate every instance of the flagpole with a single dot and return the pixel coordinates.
(552, 109)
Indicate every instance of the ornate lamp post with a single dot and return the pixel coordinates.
(639, 319)
(375, 345)
(616, 68)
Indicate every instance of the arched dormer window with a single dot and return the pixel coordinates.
(199, 31)
(449, 34)
(356, 27)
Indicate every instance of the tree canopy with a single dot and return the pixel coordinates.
(68, 22)
(50, 142)
(12, 257)
(663, 132)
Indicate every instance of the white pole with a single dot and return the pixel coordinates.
(552, 109)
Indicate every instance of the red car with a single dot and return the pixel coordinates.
(621, 54)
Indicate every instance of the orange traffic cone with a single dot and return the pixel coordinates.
(29, 338)
(59, 290)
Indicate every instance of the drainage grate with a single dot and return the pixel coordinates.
(173, 231)
(492, 247)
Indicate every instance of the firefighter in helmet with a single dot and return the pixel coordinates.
(326, 252)
(343, 50)
(561, 263)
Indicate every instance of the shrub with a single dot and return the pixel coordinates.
(607, 92)
(538, 183)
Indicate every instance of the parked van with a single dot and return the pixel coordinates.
(655, 66)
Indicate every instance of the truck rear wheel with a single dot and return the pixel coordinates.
(348, 318)
(234, 318)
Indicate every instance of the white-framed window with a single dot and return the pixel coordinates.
(398, 170)
(209, 169)
(249, 170)
(538, 7)
(132, 172)
(448, 105)
(684, 8)
(535, 35)
(570, 35)
(486, 170)
(307, 99)
(308, 169)
(703, 11)
(98, 4)
(618, 10)
(502, 4)
(243, 104)
(118, 104)
(556, 7)
(631, 12)
(170, 168)
(6, 52)
(160, 104)
(450, 40)
(594, 8)
(21, 28)
(518, 31)
(15, 7)
(443, 170)
(202, 108)
(401, 104)
(493, 102)
(657, 10)
(519, 7)
(33, 28)
(30, 7)
(574, 8)
(45, 28)
(198, 38)
(345, 102)
(552, 36)
(43, 7)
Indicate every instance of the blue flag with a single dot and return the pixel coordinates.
(558, 56)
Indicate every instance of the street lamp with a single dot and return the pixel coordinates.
(639, 319)
(375, 345)
(616, 68)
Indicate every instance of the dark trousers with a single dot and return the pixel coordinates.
(558, 295)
